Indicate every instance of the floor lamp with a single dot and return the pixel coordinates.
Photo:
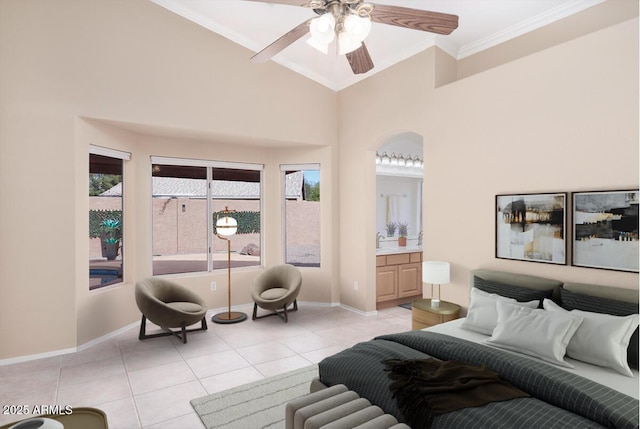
(435, 272)
(226, 226)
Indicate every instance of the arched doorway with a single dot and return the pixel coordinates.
(399, 177)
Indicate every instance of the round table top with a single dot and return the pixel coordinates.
(444, 308)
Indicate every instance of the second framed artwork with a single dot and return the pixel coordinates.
(605, 230)
(532, 227)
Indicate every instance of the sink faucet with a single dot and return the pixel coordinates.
(378, 237)
(420, 239)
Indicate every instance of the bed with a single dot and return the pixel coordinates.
(571, 348)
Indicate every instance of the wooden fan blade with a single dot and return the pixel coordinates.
(424, 20)
(282, 42)
(287, 2)
(360, 60)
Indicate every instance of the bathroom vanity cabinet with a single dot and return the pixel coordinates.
(398, 278)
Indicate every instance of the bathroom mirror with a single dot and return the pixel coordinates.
(399, 175)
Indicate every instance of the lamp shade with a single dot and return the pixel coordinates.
(226, 226)
(357, 27)
(322, 29)
(435, 272)
(322, 47)
(346, 43)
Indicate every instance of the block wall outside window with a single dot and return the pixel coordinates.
(179, 216)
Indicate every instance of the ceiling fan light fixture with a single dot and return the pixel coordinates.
(323, 28)
(357, 27)
(346, 43)
(322, 47)
(350, 22)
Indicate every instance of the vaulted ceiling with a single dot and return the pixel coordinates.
(482, 25)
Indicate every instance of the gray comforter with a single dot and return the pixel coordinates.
(559, 399)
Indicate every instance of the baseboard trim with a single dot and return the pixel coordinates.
(210, 312)
(107, 336)
(62, 352)
(319, 304)
(360, 312)
(27, 358)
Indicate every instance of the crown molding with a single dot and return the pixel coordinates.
(567, 9)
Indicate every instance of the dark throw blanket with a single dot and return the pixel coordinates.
(425, 388)
(559, 399)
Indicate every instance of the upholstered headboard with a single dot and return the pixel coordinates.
(609, 292)
(480, 276)
(541, 283)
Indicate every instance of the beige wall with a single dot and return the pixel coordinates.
(388, 103)
(563, 119)
(122, 61)
(546, 122)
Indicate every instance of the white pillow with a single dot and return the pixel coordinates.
(601, 339)
(538, 333)
(482, 315)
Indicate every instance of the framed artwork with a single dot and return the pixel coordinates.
(532, 227)
(605, 230)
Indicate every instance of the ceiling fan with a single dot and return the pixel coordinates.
(350, 21)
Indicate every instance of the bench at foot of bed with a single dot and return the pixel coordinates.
(337, 407)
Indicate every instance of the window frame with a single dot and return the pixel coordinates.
(122, 156)
(307, 166)
(209, 165)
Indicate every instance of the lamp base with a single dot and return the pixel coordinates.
(435, 303)
(229, 317)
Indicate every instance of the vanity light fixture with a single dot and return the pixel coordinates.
(394, 159)
(398, 160)
(384, 159)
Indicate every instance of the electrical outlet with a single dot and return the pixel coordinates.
(355, 285)
(213, 286)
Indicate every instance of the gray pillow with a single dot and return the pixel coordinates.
(519, 293)
(577, 301)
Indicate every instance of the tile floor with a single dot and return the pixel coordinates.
(148, 384)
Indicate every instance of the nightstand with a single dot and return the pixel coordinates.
(423, 315)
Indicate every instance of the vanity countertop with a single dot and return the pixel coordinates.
(394, 250)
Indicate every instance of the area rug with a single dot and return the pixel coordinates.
(256, 405)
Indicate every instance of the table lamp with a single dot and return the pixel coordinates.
(435, 272)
